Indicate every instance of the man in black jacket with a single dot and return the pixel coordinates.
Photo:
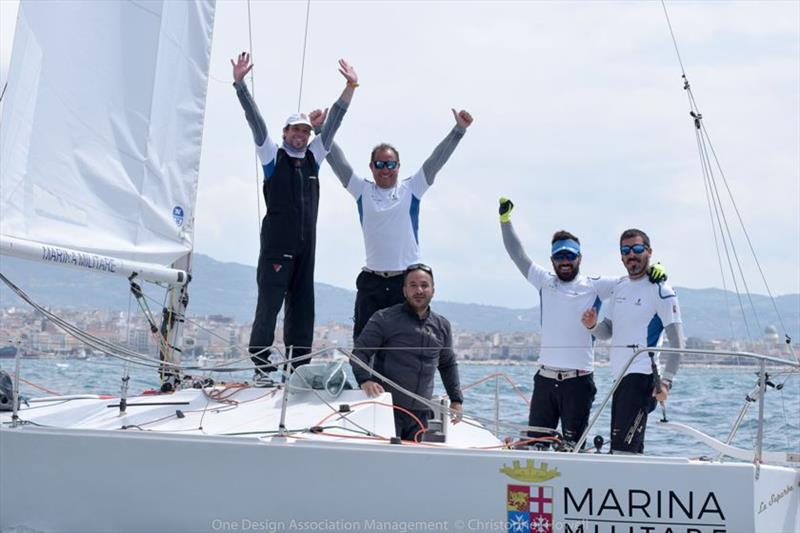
(285, 272)
(409, 342)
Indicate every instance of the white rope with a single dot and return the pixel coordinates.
(303, 62)
(719, 254)
(253, 88)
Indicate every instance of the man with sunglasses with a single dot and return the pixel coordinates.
(564, 386)
(288, 232)
(409, 343)
(388, 209)
(637, 314)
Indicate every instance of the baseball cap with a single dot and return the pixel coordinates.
(298, 118)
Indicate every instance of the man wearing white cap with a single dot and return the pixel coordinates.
(564, 386)
(288, 232)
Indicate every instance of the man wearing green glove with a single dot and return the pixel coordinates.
(638, 313)
(564, 386)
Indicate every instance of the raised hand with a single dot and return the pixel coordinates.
(463, 118)
(241, 67)
(506, 206)
(589, 318)
(317, 118)
(348, 72)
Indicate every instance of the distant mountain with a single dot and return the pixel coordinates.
(230, 289)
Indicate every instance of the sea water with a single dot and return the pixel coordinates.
(706, 398)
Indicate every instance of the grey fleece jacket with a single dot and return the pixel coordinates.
(408, 350)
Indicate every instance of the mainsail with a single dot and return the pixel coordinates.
(101, 132)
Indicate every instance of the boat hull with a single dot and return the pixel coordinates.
(72, 480)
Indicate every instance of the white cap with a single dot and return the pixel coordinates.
(298, 118)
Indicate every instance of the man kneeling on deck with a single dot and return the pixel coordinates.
(409, 341)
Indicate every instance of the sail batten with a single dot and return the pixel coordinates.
(102, 124)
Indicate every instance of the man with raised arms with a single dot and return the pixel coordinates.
(285, 272)
(388, 209)
(637, 314)
(564, 386)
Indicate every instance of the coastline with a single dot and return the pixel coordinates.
(605, 364)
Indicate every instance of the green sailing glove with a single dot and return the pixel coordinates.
(657, 273)
(506, 206)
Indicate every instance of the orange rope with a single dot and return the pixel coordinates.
(509, 445)
(48, 391)
(367, 402)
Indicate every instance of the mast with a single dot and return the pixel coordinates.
(172, 323)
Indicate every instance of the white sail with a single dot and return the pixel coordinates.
(102, 126)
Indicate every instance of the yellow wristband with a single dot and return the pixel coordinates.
(351, 84)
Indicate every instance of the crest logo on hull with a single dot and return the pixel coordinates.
(530, 509)
(529, 473)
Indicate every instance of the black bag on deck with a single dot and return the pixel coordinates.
(6, 392)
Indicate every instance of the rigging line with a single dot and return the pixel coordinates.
(708, 176)
(719, 217)
(188, 320)
(90, 340)
(708, 179)
(700, 125)
(303, 63)
(701, 135)
(746, 234)
(2, 94)
(253, 88)
(148, 314)
(719, 255)
(674, 41)
(694, 106)
(733, 245)
(165, 350)
(125, 369)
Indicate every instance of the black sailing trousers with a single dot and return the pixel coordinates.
(375, 292)
(632, 402)
(283, 276)
(569, 400)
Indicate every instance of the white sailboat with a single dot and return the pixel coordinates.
(103, 176)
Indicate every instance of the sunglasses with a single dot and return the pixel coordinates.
(565, 256)
(391, 165)
(419, 266)
(636, 248)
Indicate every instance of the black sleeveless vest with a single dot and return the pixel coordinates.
(292, 196)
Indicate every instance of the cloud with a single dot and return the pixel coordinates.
(580, 117)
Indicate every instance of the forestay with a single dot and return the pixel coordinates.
(102, 127)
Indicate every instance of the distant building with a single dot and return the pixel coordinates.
(771, 337)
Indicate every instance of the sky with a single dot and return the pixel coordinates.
(580, 118)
